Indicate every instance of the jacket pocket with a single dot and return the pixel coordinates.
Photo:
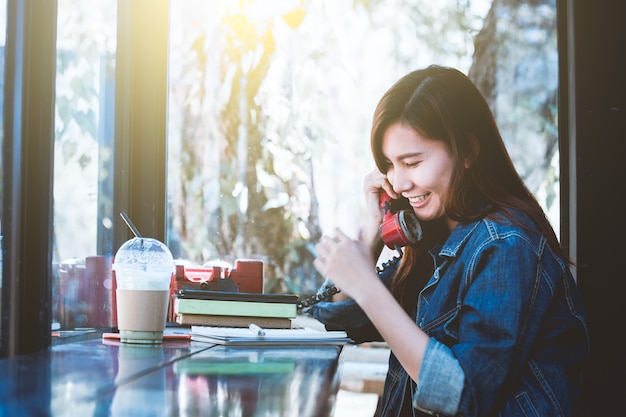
(444, 328)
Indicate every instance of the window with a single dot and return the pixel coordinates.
(269, 106)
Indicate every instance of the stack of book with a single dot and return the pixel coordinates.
(234, 309)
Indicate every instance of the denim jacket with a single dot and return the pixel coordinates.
(507, 328)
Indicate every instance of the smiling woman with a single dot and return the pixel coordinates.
(439, 307)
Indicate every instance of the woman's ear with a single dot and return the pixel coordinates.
(473, 150)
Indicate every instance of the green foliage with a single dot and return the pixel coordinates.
(246, 220)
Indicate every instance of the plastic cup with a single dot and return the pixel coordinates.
(143, 271)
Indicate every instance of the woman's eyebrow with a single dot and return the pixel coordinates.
(410, 155)
(404, 156)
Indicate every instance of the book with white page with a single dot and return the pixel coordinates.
(238, 336)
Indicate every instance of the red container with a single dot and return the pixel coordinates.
(247, 275)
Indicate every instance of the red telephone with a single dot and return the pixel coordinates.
(400, 226)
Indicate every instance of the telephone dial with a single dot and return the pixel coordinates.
(400, 227)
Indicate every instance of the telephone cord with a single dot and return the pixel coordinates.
(322, 295)
(330, 289)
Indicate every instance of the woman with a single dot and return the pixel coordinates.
(482, 316)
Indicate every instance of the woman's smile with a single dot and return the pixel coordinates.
(418, 200)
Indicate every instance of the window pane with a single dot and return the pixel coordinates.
(82, 163)
(270, 107)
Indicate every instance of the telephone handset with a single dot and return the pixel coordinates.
(399, 227)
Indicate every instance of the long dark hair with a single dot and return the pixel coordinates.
(443, 104)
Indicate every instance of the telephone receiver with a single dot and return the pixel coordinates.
(400, 226)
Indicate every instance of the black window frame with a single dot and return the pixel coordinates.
(28, 148)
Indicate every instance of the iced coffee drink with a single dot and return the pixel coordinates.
(143, 271)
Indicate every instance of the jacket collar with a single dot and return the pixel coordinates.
(459, 235)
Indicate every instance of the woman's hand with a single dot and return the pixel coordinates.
(347, 263)
(350, 263)
(373, 183)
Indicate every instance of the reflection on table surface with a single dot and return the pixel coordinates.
(178, 378)
(258, 382)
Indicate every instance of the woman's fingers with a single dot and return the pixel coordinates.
(375, 180)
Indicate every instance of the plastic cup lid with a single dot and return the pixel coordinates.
(144, 254)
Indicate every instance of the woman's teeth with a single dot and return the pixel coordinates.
(419, 198)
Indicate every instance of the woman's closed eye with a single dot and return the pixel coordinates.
(412, 163)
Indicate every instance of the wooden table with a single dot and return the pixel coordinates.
(179, 378)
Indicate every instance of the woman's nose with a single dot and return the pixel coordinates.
(400, 182)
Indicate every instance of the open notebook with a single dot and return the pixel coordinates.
(238, 336)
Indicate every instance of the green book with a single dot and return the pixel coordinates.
(234, 308)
